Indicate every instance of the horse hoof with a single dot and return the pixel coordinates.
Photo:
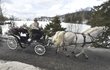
(67, 55)
(73, 52)
(75, 56)
(65, 49)
(86, 58)
(56, 53)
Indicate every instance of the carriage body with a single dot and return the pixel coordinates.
(21, 37)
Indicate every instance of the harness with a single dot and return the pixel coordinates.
(92, 38)
(76, 39)
(84, 39)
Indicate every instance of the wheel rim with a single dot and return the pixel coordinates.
(40, 50)
(11, 42)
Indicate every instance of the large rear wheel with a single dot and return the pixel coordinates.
(12, 42)
(39, 50)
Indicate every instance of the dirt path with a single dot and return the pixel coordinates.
(99, 59)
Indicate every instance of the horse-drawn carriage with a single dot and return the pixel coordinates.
(61, 38)
(21, 37)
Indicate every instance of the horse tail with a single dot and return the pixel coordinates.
(58, 38)
(55, 36)
(61, 38)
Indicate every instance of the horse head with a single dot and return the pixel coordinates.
(95, 31)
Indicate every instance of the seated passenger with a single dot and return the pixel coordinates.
(36, 32)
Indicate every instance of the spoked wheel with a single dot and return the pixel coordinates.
(12, 43)
(39, 49)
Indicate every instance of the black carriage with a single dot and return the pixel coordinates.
(21, 37)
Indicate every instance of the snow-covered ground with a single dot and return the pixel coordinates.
(69, 27)
(14, 65)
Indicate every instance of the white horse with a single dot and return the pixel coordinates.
(85, 39)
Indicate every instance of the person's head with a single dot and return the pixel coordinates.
(35, 19)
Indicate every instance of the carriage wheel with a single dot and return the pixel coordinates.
(40, 50)
(12, 43)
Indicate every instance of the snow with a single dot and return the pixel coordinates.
(69, 27)
(75, 27)
(14, 65)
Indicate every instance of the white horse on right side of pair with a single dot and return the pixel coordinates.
(84, 40)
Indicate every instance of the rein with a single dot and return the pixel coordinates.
(84, 39)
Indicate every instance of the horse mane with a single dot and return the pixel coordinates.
(91, 30)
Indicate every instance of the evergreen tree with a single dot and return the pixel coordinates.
(101, 17)
(53, 26)
(78, 17)
(1, 15)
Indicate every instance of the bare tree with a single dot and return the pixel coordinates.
(1, 15)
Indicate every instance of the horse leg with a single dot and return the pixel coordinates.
(64, 48)
(82, 52)
(57, 49)
(86, 57)
(73, 52)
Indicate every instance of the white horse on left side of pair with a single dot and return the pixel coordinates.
(64, 39)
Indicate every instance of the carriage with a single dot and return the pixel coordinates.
(19, 37)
